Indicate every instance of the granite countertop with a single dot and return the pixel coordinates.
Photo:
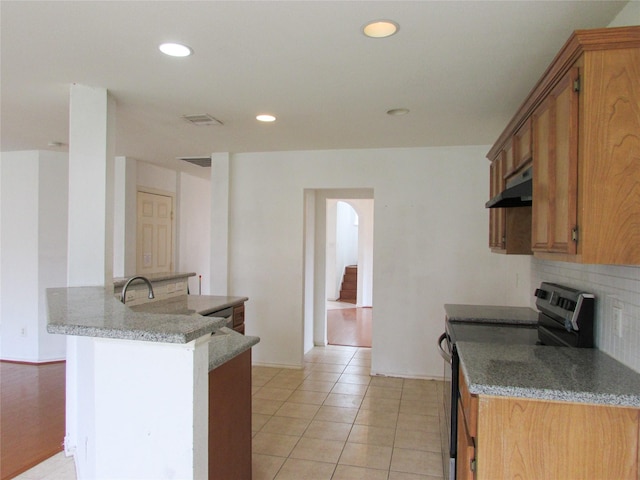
(155, 277)
(226, 344)
(94, 312)
(190, 304)
(582, 375)
(491, 314)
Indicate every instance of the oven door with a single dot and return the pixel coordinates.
(449, 431)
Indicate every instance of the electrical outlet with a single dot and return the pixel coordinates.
(131, 295)
(23, 332)
(171, 287)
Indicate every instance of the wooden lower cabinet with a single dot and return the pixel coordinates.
(465, 460)
(505, 437)
(535, 439)
(238, 318)
(230, 419)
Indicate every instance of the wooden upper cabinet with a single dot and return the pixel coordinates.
(509, 228)
(497, 215)
(609, 159)
(581, 126)
(523, 144)
(555, 151)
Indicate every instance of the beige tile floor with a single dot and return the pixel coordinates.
(331, 420)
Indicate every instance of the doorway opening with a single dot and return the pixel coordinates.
(324, 261)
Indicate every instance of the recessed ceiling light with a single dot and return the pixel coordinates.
(398, 111)
(175, 50)
(266, 118)
(56, 144)
(380, 28)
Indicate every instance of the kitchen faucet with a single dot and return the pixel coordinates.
(123, 294)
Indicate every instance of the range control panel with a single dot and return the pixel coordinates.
(565, 308)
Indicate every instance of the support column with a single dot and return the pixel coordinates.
(91, 179)
(90, 252)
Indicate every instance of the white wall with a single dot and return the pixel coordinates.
(430, 246)
(629, 15)
(364, 208)
(157, 178)
(124, 223)
(192, 213)
(194, 226)
(34, 251)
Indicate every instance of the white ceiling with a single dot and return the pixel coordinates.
(462, 68)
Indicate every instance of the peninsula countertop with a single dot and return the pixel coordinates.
(95, 312)
(190, 304)
(155, 277)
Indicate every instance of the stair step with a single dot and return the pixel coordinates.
(349, 287)
(346, 296)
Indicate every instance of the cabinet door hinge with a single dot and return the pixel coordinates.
(576, 84)
(574, 234)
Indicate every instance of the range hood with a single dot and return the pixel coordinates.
(519, 192)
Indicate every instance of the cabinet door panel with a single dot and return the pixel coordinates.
(610, 183)
(564, 172)
(522, 151)
(541, 126)
(555, 169)
(497, 215)
(532, 439)
(466, 449)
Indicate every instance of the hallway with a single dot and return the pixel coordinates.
(348, 325)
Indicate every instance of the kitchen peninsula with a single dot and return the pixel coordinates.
(138, 380)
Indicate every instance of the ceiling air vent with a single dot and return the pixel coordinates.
(202, 119)
(200, 161)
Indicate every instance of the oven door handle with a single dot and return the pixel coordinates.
(443, 353)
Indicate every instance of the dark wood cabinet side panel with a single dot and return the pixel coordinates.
(230, 419)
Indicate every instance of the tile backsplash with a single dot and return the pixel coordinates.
(614, 287)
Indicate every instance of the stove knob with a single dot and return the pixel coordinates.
(540, 294)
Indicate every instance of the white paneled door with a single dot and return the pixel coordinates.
(155, 224)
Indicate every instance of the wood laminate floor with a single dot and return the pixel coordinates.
(32, 418)
(349, 326)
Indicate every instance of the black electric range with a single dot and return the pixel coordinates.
(564, 317)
